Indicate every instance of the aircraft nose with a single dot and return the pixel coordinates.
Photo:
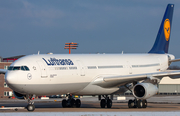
(11, 78)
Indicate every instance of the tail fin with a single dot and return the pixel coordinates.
(161, 44)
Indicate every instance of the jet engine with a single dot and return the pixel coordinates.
(18, 95)
(144, 90)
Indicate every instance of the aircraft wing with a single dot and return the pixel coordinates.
(3, 71)
(112, 81)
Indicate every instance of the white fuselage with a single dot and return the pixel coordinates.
(61, 74)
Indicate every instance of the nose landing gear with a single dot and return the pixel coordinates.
(30, 106)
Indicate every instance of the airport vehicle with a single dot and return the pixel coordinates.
(95, 74)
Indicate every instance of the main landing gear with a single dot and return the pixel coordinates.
(71, 102)
(30, 106)
(137, 103)
(105, 102)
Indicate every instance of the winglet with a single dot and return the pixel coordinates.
(161, 44)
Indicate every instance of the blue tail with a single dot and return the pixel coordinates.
(161, 44)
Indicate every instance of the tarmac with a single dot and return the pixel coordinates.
(90, 106)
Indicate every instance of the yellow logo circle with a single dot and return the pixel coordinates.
(167, 29)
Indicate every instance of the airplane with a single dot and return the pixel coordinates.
(102, 75)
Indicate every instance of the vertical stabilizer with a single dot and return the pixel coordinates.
(161, 44)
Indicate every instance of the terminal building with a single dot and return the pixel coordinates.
(167, 86)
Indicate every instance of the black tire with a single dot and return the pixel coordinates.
(139, 103)
(64, 103)
(135, 103)
(73, 105)
(109, 103)
(103, 103)
(144, 103)
(30, 107)
(78, 103)
(131, 104)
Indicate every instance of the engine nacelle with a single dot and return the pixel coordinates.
(144, 90)
(18, 95)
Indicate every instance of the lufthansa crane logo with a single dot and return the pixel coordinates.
(167, 29)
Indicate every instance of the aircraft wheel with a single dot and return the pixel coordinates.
(73, 103)
(131, 103)
(103, 103)
(30, 107)
(144, 103)
(78, 103)
(109, 103)
(139, 103)
(64, 103)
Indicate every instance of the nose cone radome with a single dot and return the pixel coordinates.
(11, 78)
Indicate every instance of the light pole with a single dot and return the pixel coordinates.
(70, 46)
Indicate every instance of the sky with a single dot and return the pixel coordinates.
(98, 26)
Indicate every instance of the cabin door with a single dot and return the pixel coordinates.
(129, 66)
(81, 68)
(42, 69)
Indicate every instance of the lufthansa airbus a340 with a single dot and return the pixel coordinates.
(95, 74)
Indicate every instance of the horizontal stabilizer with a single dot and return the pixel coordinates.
(174, 60)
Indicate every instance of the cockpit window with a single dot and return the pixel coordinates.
(16, 68)
(24, 68)
(10, 68)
